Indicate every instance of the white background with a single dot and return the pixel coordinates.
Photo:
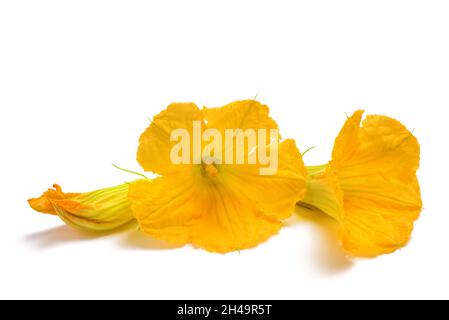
(79, 79)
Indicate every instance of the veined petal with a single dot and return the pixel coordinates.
(101, 210)
(237, 121)
(192, 209)
(155, 146)
(381, 146)
(276, 195)
(231, 222)
(369, 230)
(244, 114)
(166, 206)
(346, 142)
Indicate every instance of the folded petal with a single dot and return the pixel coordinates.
(101, 210)
(155, 146)
(346, 142)
(44, 203)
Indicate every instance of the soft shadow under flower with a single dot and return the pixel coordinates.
(329, 258)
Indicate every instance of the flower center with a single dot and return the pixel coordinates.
(209, 170)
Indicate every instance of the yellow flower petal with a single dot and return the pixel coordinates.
(375, 165)
(101, 210)
(155, 145)
(186, 208)
(347, 141)
(381, 146)
(370, 230)
(244, 114)
(277, 194)
(166, 206)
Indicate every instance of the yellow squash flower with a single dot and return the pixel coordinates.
(101, 210)
(370, 185)
(216, 206)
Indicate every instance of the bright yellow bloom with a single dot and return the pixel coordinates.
(370, 185)
(101, 210)
(218, 207)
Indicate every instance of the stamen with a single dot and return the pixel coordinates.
(210, 170)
